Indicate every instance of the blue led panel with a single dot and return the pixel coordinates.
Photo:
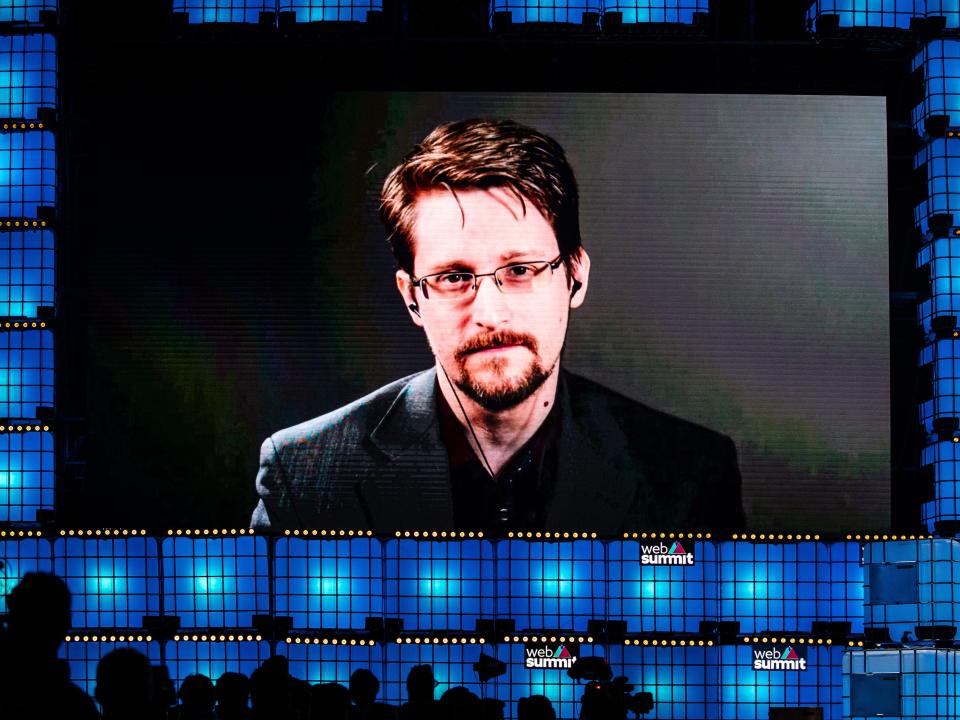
(939, 61)
(333, 663)
(331, 10)
(26, 373)
(563, 692)
(19, 557)
(28, 75)
(333, 584)
(949, 10)
(683, 680)
(551, 585)
(769, 587)
(215, 582)
(942, 258)
(868, 13)
(550, 11)
(928, 680)
(26, 272)
(114, 582)
(749, 694)
(439, 585)
(214, 658)
(939, 159)
(945, 459)
(452, 667)
(657, 11)
(26, 475)
(664, 598)
(944, 355)
(24, 10)
(224, 11)
(840, 581)
(28, 173)
(83, 657)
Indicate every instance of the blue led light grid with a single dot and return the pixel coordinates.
(83, 658)
(682, 680)
(551, 585)
(939, 62)
(27, 267)
(28, 75)
(26, 373)
(929, 680)
(215, 582)
(334, 663)
(439, 585)
(332, 584)
(26, 474)
(331, 10)
(547, 11)
(657, 11)
(25, 11)
(945, 459)
(224, 11)
(114, 582)
(214, 658)
(28, 172)
(868, 13)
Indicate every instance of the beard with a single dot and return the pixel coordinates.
(501, 392)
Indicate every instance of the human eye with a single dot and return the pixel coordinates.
(451, 279)
(520, 272)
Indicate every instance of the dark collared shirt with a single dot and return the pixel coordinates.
(518, 497)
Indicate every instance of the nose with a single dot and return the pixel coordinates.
(490, 307)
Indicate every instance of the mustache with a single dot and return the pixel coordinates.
(499, 338)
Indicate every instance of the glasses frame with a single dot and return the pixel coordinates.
(419, 282)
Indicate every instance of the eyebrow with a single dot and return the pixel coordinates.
(454, 265)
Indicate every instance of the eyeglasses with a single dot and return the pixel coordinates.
(513, 279)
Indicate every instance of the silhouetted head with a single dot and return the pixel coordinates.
(124, 684)
(460, 703)
(330, 701)
(232, 693)
(364, 687)
(197, 694)
(491, 709)
(420, 684)
(270, 688)
(535, 707)
(38, 613)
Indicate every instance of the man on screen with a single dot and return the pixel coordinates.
(483, 218)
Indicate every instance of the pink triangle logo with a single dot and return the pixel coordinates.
(563, 652)
(677, 549)
(790, 654)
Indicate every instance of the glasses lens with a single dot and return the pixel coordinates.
(449, 285)
(520, 278)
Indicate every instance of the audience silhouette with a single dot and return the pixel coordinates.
(420, 703)
(34, 683)
(233, 695)
(125, 688)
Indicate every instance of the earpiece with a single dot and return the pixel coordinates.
(576, 287)
(414, 308)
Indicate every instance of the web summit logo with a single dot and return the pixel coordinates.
(780, 659)
(662, 555)
(542, 655)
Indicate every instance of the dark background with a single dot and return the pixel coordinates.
(140, 98)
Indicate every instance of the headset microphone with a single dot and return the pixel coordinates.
(414, 308)
(576, 287)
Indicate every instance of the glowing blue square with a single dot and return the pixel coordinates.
(224, 11)
(28, 75)
(331, 10)
(26, 373)
(657, 11)
(114, 582)
(549, 11)
(215, 582)
(683, 681)
(21, 11)
(439, 585)
(28, 173)
(332, 584)
(553, 585)
(26, 474)
(27, 272)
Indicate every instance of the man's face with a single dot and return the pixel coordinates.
(498, 348)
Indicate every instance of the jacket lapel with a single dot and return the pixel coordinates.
(410, 490)
(597, 472)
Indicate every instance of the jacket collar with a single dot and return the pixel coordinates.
(593, 489)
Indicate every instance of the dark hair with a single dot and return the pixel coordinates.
(479, 154)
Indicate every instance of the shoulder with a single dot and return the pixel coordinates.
(589, 399)
(354, 420)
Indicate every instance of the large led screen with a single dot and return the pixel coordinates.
(719, 363)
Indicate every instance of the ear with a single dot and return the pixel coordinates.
(579, 273)
(408, 293)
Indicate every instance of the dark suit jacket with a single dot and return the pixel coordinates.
(379, 464)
